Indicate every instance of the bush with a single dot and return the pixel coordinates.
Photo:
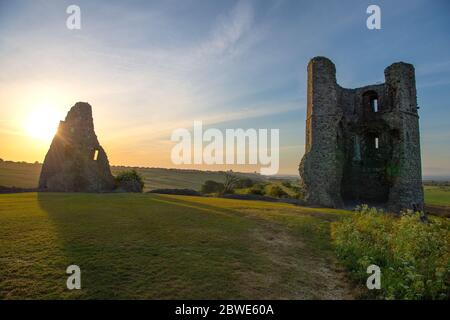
(230, 182)
(414, 257)
(257, 189)
(211, 186)
(286, 184)
(245, 183)
(276, 191)
(129, 181)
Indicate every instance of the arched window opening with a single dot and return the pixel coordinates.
(374, 104)
(371, 102)
(95, 155)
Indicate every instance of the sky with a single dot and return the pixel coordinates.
(150, 67)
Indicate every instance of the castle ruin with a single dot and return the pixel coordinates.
(362, 145)
(76, 162)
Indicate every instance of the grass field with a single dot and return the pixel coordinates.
(437, 195)
(26, 175)
(437, 200)
(21, 175)
(146, 246)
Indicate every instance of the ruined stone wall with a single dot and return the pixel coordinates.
(76, 162)
(364, 177)
(362, 145)
(321, 167)
(407, 190)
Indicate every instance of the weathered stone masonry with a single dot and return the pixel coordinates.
(362, 145)
(76, 162)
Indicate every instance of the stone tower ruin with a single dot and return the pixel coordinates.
(362, 145)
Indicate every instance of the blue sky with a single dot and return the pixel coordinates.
(148, 67)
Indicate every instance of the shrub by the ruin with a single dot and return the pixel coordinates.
(286, 184)
(276, 191)
(257, 189)
(129, 181)
(299, 192)
(211, 186)
(414, 257)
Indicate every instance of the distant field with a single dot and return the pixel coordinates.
(437, 200)
(157, 178)
(146, 246)
(21, 175)
(26, 175)
(437, 195)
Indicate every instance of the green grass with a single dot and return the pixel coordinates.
(26, 175)
(437, 195)
(145, 246)
(161, 178)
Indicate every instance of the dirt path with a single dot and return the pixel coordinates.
(312, 273)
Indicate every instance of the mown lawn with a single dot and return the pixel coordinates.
(142, 246)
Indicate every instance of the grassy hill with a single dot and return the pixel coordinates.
(26, 175)
(19, 174)
(146, 246)
(160, 178)
(437, 199)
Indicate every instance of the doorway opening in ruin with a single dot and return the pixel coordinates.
(367, 156)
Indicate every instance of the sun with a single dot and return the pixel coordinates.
(42, 123)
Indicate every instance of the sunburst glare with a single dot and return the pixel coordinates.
(42, 122)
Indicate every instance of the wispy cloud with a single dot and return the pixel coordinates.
(229, 32)
(162, 130)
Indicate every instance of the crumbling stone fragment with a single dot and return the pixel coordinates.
(76, 162)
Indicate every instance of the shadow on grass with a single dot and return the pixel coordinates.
(141, 247)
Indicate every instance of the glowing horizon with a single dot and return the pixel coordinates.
(148, 70)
